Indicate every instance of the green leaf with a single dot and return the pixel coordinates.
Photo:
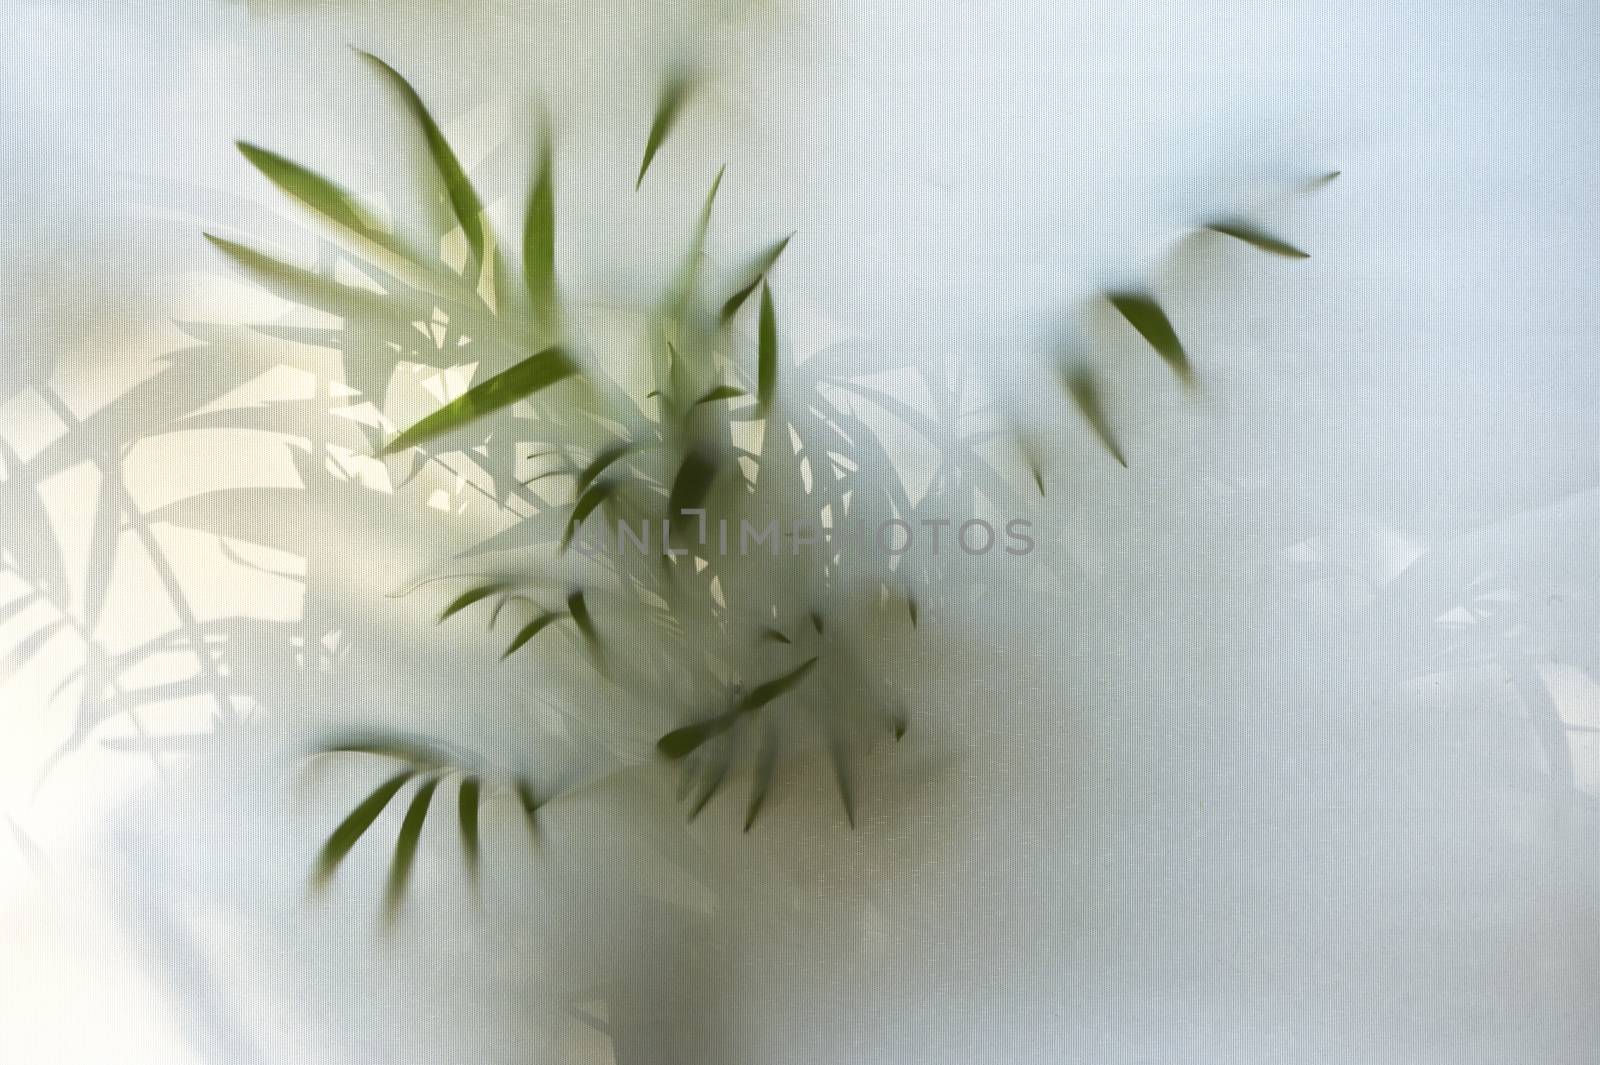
(360, 819)
(301, 286)
(899, 723)
(539, 240)
(1038, 477)
(530, 805)
(586, 505)
(470, 795)
(683, 287)
(405, 848)
(716, 774)
(690, 486)
(839, 756)
(774, 636)
(315, 191)
(1145, 315)
(503, 389)
(683, 741)
(759, 268)
(468, 597)
(761, 782)
(1256, 238)
(579, 609)
(816, 622)
(763, 694)
(464, 201)
(911, 609)
(530, 630)
(720, 392)
(598, 465)
(1080, 383)
(766, 350)
(673, 93)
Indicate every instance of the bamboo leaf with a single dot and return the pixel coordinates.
(536, 372)
(1256, 238)
(682, 741)
(405, 848)
(530, 630)
(761, 782)
(539, 240)
(673, 93)
(762, 694)
(469, 797)
(300, 286)
(758, 272)
(840, 757)
(598, 465)
(1080, 383)
(716, 774)
(360, 819)
(468, 597)
(579, 609)
(530, 805)
(315, 191)
(766, 350)
(464, 203)
(1145, 315)
(720, 392)
(683, 288)
(585, 506)
(691, 485)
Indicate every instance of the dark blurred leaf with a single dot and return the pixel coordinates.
(578, 607)
(539, 241)
(352, 828)
(405, 848)
(762, 694)
(682, 741)
(766, 350)
(758, 273)
(690, 486)
(1145, 315)
(840, 757)
(1256, 238)
(816, 622)
(774, 636)
(536, 372)
(530, 805)
(315, 191)
(761, 781)
(469, 797)
(1080, 382)
(530, 630)
(464, 201)
(673, 92)
(716, 775)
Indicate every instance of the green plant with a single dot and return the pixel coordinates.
(735, 659)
